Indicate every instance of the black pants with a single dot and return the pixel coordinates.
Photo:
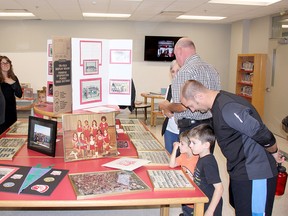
(241, 196)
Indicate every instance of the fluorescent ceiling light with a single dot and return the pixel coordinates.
(200, 17)
(284, 26)
(246, 2)
(106, 15)
(16, 14)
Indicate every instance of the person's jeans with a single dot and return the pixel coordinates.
(169, 139)
(187, 211)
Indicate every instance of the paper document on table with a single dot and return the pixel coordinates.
(128, 164)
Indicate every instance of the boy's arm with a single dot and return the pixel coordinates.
(173, 162)
(215, 199)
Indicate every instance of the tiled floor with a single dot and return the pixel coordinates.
(280, 205)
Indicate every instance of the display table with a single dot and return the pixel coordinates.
(64, 197)
(152, 97)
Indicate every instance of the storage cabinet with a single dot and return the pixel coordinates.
(251, 79)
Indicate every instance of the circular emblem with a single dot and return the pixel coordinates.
(49, 179)
(9, 184)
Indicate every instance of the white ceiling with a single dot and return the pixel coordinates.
(145, 10)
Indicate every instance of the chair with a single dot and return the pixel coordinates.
(154, 115)
(142, 105)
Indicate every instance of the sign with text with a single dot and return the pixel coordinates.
(62, 88)
(62, 72)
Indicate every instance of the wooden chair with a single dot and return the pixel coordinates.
(141, 105)
(154, 115)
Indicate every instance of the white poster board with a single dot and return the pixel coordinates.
(101, 72)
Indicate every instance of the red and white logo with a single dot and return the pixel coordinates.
(40, 188)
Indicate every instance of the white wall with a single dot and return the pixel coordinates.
(236, 46)
(25, 43)
(254, 37)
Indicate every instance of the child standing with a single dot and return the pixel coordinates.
(186, 160)
(41, 95)
(41, 100)
(103, 124)
(206, 174)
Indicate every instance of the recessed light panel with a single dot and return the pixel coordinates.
(200, 17)
(245, 2)
(106, 15)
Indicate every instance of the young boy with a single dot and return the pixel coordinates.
(186, 160)
(206, 173)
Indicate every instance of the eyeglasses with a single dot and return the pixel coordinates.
(5, 63)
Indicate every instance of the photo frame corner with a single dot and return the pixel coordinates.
(90, 66)
(42, 134)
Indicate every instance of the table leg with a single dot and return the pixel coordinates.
(164, 210)
(152, 109)
(198, 209)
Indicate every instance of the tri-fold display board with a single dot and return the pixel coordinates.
(84, 73)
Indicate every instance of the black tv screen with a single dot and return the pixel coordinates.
(159, 48)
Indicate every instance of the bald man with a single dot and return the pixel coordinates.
(192, 67)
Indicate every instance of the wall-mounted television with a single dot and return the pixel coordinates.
(159, 48)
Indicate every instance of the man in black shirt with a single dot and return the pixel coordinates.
(248, 145)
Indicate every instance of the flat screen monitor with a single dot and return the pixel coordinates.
(159, 48)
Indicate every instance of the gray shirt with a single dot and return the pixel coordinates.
(194, 69)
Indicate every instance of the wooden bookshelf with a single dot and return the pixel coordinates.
(251, 79)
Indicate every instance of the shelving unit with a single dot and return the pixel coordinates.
(251, 79)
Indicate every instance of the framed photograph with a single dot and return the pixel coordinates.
(106, 183)
(25, 85)
(50, 50)
(119, 86)
(42, 135)
(34, 180)
(28, 94)
(90, 49)
(50, 88)
(50, 68)
(9, 146)
(18, 128)
(90, 90)
(91, 67)
(89, 136)
(6, 171)
(123, 144)
(147, 145)
(157, 158)
(141, 135)
(120, 56)
(169, 180)
(130, 121)
(133, 127)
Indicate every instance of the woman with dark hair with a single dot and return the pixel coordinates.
(10, 87)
